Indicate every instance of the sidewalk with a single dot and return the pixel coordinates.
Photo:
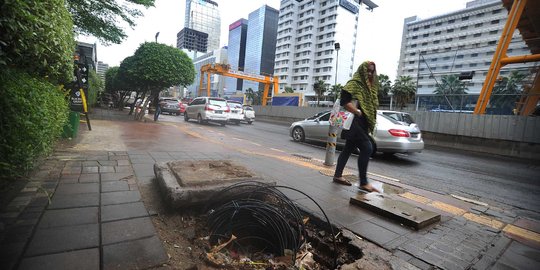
(96, 218)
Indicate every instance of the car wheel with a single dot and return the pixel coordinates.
(298, 134)
(223, 124)
(177, 114)
(250, 122)
(186, 118)
(199, 119)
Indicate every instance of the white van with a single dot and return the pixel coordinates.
(208, 109)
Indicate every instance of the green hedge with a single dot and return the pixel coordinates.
(37, 36)
(33, 115)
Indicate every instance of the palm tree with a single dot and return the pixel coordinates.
(288, 89)
(335, 91)
(385, 85)
(507, 90)
(451, 86)
(319, 87)
(250, 96)
(403, 90)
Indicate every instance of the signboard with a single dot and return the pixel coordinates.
(348, 6)
(79, 88)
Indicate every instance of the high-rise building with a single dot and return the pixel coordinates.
(236, 53)
(217, 82)
(203, 16)
(260, 44)
(190, 39)
(102, 69)
(307, 32)
(461, 42)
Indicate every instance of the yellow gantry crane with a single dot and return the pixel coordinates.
(225, 70)
(524, 15)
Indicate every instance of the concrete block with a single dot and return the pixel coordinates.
(123, 211)
(119, 197)
(69, 200)
(69, 217)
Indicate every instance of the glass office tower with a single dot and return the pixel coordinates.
(261, 44)
(203, 16)
(236, 53)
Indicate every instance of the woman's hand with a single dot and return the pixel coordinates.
(350, 107)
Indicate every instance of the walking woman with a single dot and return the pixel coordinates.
(359, 97)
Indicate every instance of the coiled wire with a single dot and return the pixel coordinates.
(260, 215)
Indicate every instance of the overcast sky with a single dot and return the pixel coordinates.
(379, 31)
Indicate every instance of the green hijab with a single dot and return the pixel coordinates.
(365, 92)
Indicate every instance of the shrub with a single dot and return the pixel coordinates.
(95, 87)
(33, 114)
(37, 36)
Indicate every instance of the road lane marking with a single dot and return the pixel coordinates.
(448, 208)
(237, 139)
(469, 200)
(385, 177)
(255, 144)
(278, 150)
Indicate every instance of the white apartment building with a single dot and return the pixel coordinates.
(458, 42)
(307, 31)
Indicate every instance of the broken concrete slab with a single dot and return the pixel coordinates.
(402, 212)
(194, 182)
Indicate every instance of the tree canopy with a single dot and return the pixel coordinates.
(100, 18)
(385, 85)
(508, 90)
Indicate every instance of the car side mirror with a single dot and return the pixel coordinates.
(317, 120)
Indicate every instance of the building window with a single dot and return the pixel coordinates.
(478, 25)
(472, 65)
(496, 11)
(493, 32)
(459, 66)
(449, 30)
(438, 24)
(434, 59)
(449, 39)
(462, 37)
(427, 26)
(425, 35)
(437, 33)
(451, 21)
(495, 22)
(415, 29)
(413, 46)
(414, 37)
(480, 15)
(424, 44)
(492, 42)
(464, 27)
(465, 18)
(411, 62)
(446, 58)
(459, 56)
(477, 34)
(436, 41)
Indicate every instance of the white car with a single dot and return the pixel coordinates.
(208, 109)
(249, 114)
(237, 112)
(390, 136)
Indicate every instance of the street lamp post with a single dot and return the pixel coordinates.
(157, 35)
(329, 159)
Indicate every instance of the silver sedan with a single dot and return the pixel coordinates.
(390, 136)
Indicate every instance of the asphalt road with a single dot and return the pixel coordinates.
(508, 183)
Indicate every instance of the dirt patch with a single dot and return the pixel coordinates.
(200, 172)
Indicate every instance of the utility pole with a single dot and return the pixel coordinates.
(157, 35)
(329, 159)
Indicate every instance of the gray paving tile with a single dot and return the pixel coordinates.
(86, 259)
(373, 232)
(123, 211)
(124, 230)
(391, 225)
(144, 169)
(115, 176)
(67, 217)
(89, 178)
(138, 254)
(70, 201)
(106, 169)
(114, 186)
(124, 169)
(119, 197)
(60, 239)
(64, 189)
(347, 215)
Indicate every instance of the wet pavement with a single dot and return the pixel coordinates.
(96, 218)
